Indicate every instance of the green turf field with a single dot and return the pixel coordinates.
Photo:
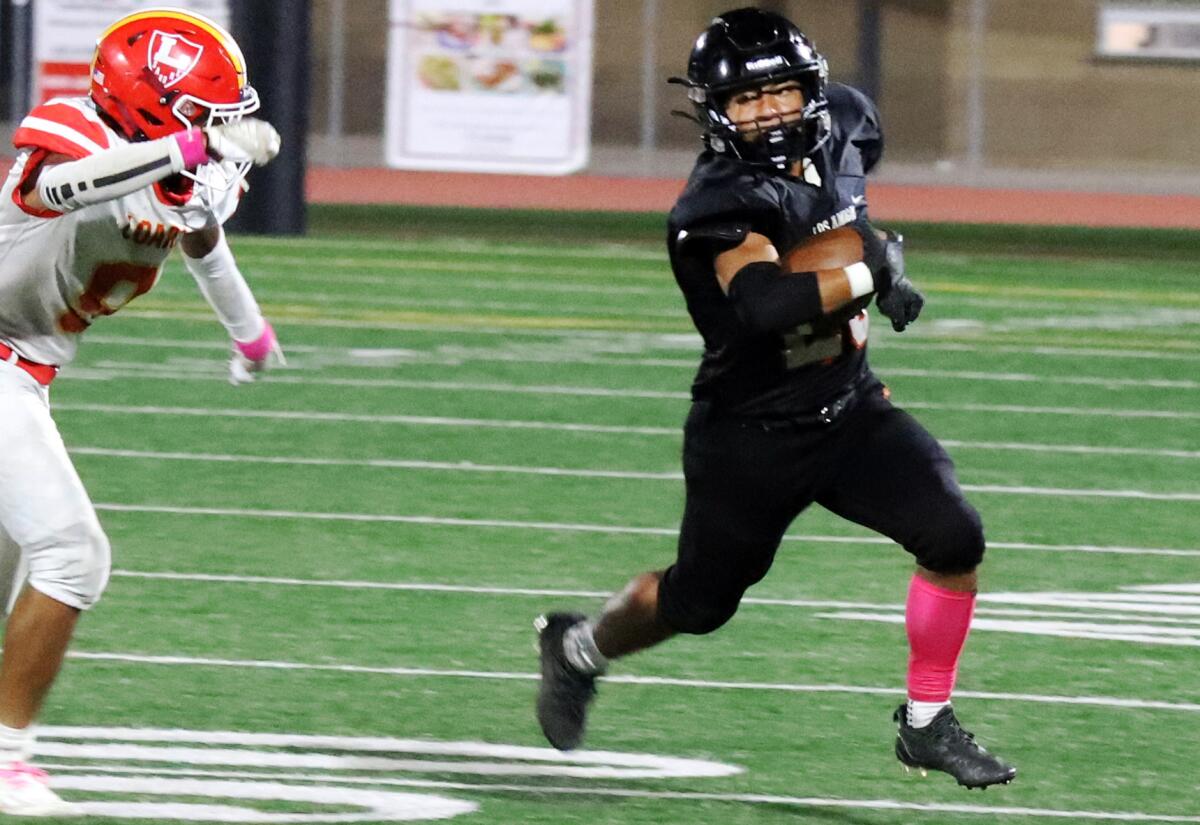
(469, 432)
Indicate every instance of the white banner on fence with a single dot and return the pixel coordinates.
(1149, 32)
(489, 85)
(65, 34)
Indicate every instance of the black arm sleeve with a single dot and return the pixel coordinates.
(767, 300)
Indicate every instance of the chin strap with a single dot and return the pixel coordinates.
(809, 173)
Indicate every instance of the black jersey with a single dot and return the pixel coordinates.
(775, 375)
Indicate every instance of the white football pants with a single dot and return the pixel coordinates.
(48, 527)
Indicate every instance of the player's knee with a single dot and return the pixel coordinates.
(699, 620)
(697, 616)
(955, 541)
(74, 569)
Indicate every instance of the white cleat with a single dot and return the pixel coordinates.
(25, 791)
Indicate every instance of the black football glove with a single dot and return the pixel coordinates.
(897, 297)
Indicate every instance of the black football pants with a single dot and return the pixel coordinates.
(747, 480)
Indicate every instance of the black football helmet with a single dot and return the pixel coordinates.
(746, 49)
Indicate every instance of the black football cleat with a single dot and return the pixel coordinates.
(565, 692)
(943, 745)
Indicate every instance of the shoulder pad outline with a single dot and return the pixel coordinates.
(719, 236)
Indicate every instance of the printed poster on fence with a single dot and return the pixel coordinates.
(489, 85)
(1149, 31)
(65, 34)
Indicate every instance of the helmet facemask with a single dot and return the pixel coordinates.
(214, 176)
(780, 142)
(752, 52)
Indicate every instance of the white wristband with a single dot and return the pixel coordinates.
(862, 282)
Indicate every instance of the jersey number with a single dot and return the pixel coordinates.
(802, 346)
(111, 287)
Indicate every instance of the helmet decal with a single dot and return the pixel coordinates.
(772, 62)
(206, 24)
(171, 57)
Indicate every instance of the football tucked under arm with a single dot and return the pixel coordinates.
(818, 277)
(873, 262)
(838, 250)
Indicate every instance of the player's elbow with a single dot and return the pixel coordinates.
(759, 319)
(31, 198)
(200, 243)
(768, 301)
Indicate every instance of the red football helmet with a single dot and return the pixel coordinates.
(161, 70)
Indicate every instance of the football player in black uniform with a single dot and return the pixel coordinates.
(785, 410)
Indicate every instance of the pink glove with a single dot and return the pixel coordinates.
(253, 357)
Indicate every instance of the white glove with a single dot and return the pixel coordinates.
(249, 140)
(253, 357)
(244, 371)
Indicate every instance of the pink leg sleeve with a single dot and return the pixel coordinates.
(937, 621)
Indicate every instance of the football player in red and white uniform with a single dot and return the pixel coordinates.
(103, 188)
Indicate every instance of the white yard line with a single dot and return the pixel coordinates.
(1075, 449)
(510, 469)
(205, 372)
(368, 518)
(486, 326)
(1066, 492)
(1020, 409)
(1029, 378)
(1089, 353)
(333, 301)
(386, 463)
(837, 803)
(683, 341)
(403, 272)
(524, 592)
(208, 345)
(654, 681)
(604, 252)
(416, 420)
(638, 252)
(441, 421)
(471, 467)
(426, 587)
(373, 358)
(1124, 631)
(299, 374)
(552, 327)
(570, 472)
(399, 272)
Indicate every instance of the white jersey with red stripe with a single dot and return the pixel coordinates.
(59, 272)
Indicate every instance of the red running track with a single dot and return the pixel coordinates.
(940, 204)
